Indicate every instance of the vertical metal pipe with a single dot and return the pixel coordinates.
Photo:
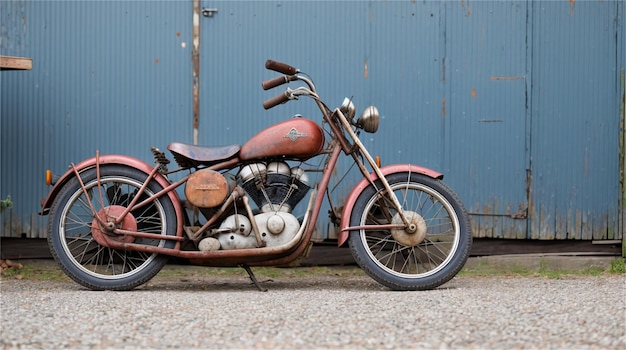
(195, 58)
(622, 160)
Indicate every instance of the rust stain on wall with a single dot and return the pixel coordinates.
(515, 77)
(473, 92)
(366, 70)
(195, 58)
(463, 3)
(486, 209)
(443, 107)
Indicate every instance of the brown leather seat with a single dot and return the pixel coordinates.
(191, 155)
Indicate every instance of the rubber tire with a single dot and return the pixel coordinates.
(71, 267)
(359, 248)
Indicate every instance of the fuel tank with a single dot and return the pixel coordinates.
(296, 138)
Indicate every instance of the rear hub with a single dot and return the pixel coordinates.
(108, 215)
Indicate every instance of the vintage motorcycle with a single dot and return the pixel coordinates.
(114, 220)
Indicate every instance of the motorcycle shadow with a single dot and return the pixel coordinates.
(244, 284)
(336, 278)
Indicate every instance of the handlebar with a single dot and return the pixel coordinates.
(290, 74)
(276, 100)
(272, 83)
(281, 67)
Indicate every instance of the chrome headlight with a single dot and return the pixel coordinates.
(348, 109)
(369, 120)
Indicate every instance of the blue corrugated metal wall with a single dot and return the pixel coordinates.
(107, 75)
(516, 101)
(486, 98)
(578, 51)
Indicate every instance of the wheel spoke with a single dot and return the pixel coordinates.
(433, 252)
(81, 246)
(378, 243)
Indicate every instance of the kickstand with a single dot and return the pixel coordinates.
(253, 278)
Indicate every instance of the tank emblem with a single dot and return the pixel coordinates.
(293, 135)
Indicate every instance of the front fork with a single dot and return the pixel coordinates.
(407, 225)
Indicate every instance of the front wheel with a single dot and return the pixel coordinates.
(424, 257)
(70, 231)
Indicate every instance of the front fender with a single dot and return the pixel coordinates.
(46, 203)
(356, 191)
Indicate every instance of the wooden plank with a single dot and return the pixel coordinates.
(330, 254)
(24, 248)
(16, 63)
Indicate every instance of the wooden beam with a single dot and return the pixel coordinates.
(17, 63)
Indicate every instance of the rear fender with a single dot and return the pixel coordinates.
(46, 203)
(356, 192)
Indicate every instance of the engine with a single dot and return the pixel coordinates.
(276, 189)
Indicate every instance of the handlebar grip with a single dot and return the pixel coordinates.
(272, 83)
(280, 67)
(276, 100)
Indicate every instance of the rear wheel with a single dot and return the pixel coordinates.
(424, 257)
(71, 229)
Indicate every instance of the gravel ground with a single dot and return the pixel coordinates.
(334, 309)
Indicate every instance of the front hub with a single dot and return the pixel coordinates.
(412, 235)
(104, 233)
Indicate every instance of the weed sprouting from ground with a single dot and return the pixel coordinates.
(618, 266)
